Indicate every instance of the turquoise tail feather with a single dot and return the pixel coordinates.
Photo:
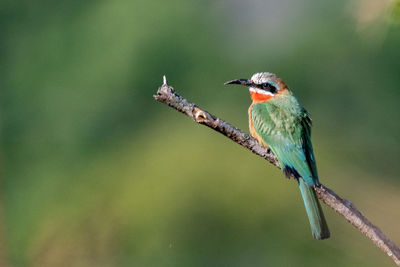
(319, 227)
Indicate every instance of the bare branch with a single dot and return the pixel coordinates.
(167, 95)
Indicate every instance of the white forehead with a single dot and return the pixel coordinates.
(262, 77)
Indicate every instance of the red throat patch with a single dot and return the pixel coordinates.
(259, 97)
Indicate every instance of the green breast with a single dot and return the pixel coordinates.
(286, 127)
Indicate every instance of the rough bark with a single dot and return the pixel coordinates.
(167, 95)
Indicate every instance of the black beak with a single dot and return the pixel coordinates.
(244, 82)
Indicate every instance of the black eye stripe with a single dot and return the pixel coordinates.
(269, 87)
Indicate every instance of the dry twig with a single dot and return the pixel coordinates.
(167, 95)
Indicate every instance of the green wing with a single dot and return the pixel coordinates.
(288, 135)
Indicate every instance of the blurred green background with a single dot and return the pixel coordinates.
(96, 173)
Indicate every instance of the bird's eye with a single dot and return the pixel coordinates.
(269, 87)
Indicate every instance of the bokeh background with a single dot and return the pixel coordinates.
(94, 172)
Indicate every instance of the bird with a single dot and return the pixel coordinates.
(280, 123)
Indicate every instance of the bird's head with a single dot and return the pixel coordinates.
(263, 86)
